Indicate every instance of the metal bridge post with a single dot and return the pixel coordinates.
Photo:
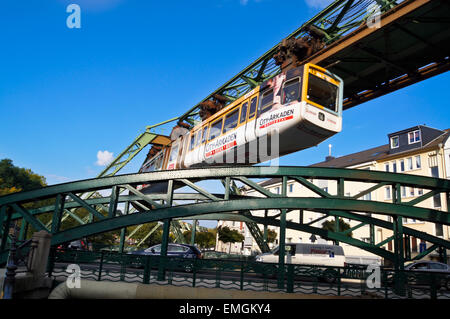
(194, 229)
(164, 245)
(123, 233)
(23, 229)
(265, 227)
(398, 246)
(282, 249)
(6, 224)
(340, 193)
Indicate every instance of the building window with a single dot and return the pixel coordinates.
(437, 200)
(411, 191)
(410, 163)
(386, 167)
(418, 164)
(291, 188)
(403, 190)
(367, 196)
(277, 190)
(387, 194)
(394, 167)
(402, 165)
(414, 137)
(325, 189)
(394, 142)
(439, 230)
(435, 172)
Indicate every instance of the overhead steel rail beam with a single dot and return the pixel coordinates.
(408, 45)
(202, 203)
(335, 21)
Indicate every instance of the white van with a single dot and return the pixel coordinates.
(307, 254)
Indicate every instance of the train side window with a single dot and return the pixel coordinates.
(244, 113)
(266, 101)
(291, 91)
(253, 107)
(192, 142)
(205, 130)
(231, 120)
(197, 138)
(215, 129)
(173, 154)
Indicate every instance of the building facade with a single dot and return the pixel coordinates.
(419, 150)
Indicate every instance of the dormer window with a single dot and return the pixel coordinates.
(394, 142)
(414, 137)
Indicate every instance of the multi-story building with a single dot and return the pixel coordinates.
(419, 150)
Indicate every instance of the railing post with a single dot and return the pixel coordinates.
(290, 279)
(51, 259)
(242, 275)
(433, 290)
(147, 270)
(11, 268)
(164, 245)
(339, 281)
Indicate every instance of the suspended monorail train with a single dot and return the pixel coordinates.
(302, 105)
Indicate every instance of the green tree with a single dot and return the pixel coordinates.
(204, 239)
(15, 178)
(227, 235)
(330, 225)
(271, 235)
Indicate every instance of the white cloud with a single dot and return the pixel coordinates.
(319, 4)
(104, 158)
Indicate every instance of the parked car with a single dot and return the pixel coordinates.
(310, 254)
(173, 250)
(419, 273)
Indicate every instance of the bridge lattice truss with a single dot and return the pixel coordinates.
(187, 199)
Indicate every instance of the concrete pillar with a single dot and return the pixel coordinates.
(38, 261)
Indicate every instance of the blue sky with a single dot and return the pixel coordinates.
(66, 94)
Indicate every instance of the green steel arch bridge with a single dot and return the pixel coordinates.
(407, 45)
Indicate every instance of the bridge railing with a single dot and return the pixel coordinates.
(352, 281)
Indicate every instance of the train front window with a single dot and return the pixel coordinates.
(231, 121)
(215, 130)
(291, 91)
(173, 154)
(322, 92)
(191, 144)
(266, 102)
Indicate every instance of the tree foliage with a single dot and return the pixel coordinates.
(13, 178)
(204, 239)
(271, 235)
(330, 225)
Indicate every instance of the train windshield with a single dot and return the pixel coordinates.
(173, 154)
(322, 92)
